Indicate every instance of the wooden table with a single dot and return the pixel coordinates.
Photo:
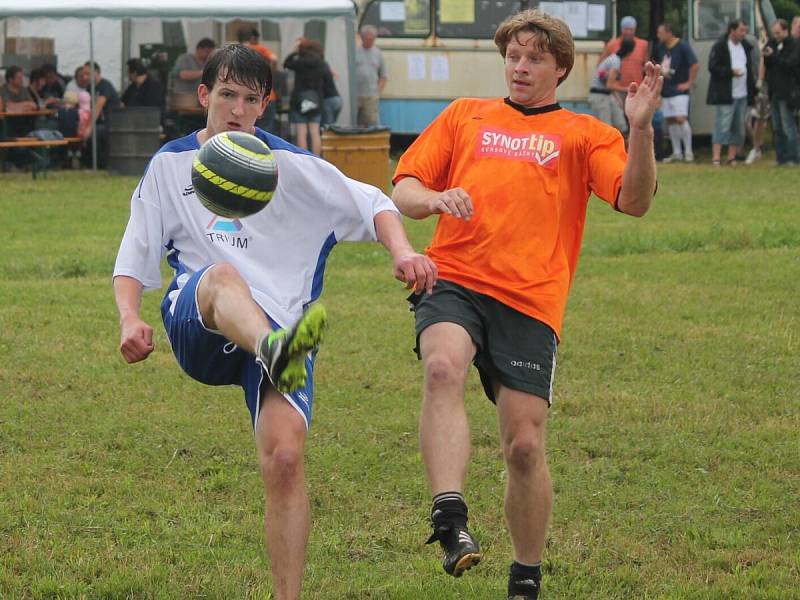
(39, 151)
(4, 115)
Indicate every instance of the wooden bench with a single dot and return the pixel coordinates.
(39, 150)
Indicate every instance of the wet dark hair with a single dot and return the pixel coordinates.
(136, 65)
(626, 47)
(239, 64)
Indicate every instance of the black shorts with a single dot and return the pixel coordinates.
(513, 349)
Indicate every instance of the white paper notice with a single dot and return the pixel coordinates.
(440, 68)
(393, 11)
(554, 9)
(576, 14)
(416, 67)
(597, 17)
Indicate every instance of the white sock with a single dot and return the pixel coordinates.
(686, 129)
(675, 139)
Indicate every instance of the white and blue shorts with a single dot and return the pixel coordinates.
(210, 358)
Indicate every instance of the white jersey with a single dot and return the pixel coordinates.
(280, 251)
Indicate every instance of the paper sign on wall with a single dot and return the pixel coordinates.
(416, 67)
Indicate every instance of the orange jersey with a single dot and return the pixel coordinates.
(529, 177)
(632, 66)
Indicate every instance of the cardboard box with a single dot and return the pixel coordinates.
(30, 46)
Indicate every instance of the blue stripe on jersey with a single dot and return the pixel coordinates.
(276, 143)
(173, 256)
(319, 271)
(184, 144)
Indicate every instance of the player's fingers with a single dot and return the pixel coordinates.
(430, 274)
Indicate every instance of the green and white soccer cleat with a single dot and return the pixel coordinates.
(283, 352)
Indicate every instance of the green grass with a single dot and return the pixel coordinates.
(673, 440)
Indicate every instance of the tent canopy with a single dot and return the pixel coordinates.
(175, 9)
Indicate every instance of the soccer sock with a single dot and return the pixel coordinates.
(449, 507)
(524, 580)
(686, 130)
(675, 138)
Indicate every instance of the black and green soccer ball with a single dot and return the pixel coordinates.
(234, 174)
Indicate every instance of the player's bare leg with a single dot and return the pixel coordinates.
(447, 351)
(529, 491)
(280, 440)
(226, 305)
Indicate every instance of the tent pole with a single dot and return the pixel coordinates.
(94, 97)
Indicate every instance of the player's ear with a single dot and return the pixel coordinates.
(202, 95)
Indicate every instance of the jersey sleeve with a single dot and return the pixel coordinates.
(607, 157)
(142, 246)
(352, 206)
(428, 158)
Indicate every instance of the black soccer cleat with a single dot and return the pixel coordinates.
(283, 352)
(461, 550)
(523, 585)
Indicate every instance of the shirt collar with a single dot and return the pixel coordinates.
(532, 110)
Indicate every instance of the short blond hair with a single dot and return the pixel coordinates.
(550, 35)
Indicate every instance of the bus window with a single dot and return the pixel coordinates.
(399, 18)
(478, 19)
(711, 17)
(475, 19)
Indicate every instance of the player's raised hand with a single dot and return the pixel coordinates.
(644, 98)
(136, 339)
(416, 271)
(455, 202)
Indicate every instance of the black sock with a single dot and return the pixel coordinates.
(524, 580)
(449, 507)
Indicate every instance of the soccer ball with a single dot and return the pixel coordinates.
(234, 174)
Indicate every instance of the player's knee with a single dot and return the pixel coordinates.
(441, 372)
(524, 452)
(223, 274)
(281, 467)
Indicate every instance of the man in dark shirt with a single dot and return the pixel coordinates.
(782, 64)
(106, 98)
(679, 67)
(143, 89)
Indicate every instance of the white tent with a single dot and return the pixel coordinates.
(110, 31)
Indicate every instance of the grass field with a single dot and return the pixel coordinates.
(673, 440)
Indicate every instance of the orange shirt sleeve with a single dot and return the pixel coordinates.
(429, 157)
(607, 157)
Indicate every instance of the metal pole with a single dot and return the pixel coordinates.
(92, 92)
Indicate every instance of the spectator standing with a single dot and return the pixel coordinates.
(632, 68)
(186, 74)
(143, 90)
(731, 89)
(782, 66)
(250, 37)
(370, 77)
(106, 98)
(606, 103)
(331, 99)
(305, 103)
(679, 67)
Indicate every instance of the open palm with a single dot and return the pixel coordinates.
(644, 98)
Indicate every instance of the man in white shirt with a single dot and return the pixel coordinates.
(237, 310)
(731, 88)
